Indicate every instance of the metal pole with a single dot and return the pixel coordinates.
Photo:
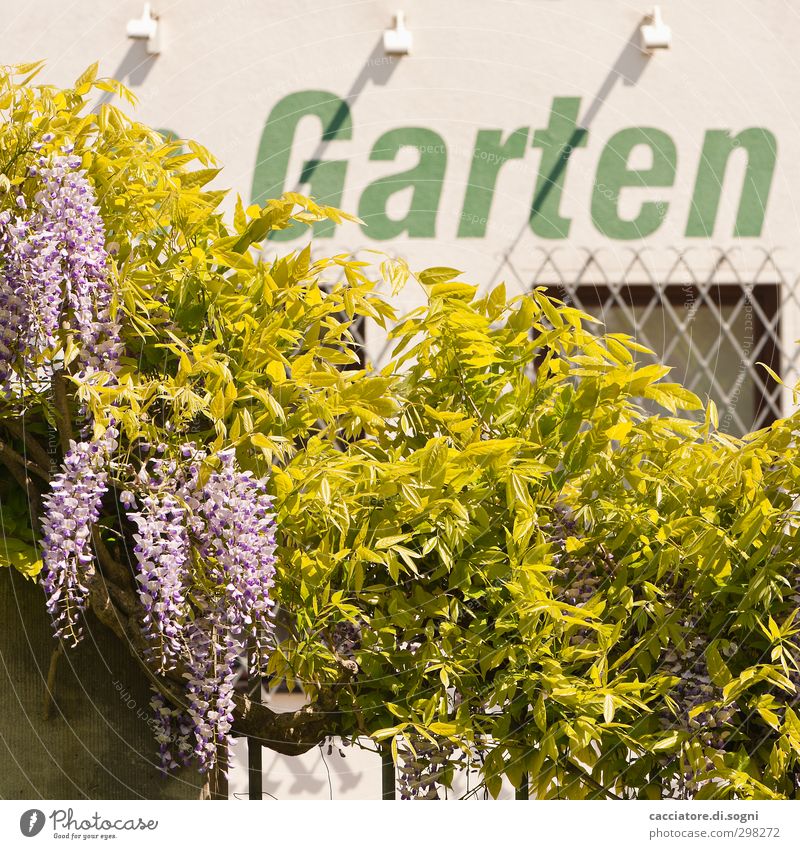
(387, 773)
(254, 763)
(521, 792)
(255, 785)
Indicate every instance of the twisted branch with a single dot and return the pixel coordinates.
(290, 733)
(39, 454)
(63, 416)
(9, 455)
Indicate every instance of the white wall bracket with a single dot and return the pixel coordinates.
(656, 35)
(397, 41)
(146, 27)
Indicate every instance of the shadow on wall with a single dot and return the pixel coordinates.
(331, 771)
(323, 773)
(378, 70)
(133, 70)
(628, 67)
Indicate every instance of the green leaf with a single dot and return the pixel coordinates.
(460, 291)
(21, 555)
(85, 80)
(434, 276)
(443, 729)
(540, 713)
(717, 670)
(608, 708)
(494, 784)
(231, 259)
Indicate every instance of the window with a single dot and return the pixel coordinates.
(712, 335)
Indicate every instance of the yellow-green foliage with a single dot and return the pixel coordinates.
(538, 569)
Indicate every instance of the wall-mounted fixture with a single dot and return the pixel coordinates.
(146, 27)
(397, 41)
(656, 35)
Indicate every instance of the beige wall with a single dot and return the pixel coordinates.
(476, 64)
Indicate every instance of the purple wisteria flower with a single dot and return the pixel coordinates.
(173, 729)
(236, 540)
(226, 522)
(71, 509)
(239, 545)
(55, 273)
(213, 651)
(162, 552)
(14, 312)
(68, 209)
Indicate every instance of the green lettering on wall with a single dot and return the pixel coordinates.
(488, 158)
(557, 142)
(324, 178)
(762, 151)
(613, 175)
(425, 180)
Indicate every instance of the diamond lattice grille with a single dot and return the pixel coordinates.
(713, 324)
(713, 315)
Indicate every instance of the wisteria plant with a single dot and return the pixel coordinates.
(483, 557)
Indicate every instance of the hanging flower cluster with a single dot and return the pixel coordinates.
(54, 273)
(217, 537)
(162, 554)
(14, 315)
(422, 766)
(54, 277)
(173, 731)
(71, 509)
